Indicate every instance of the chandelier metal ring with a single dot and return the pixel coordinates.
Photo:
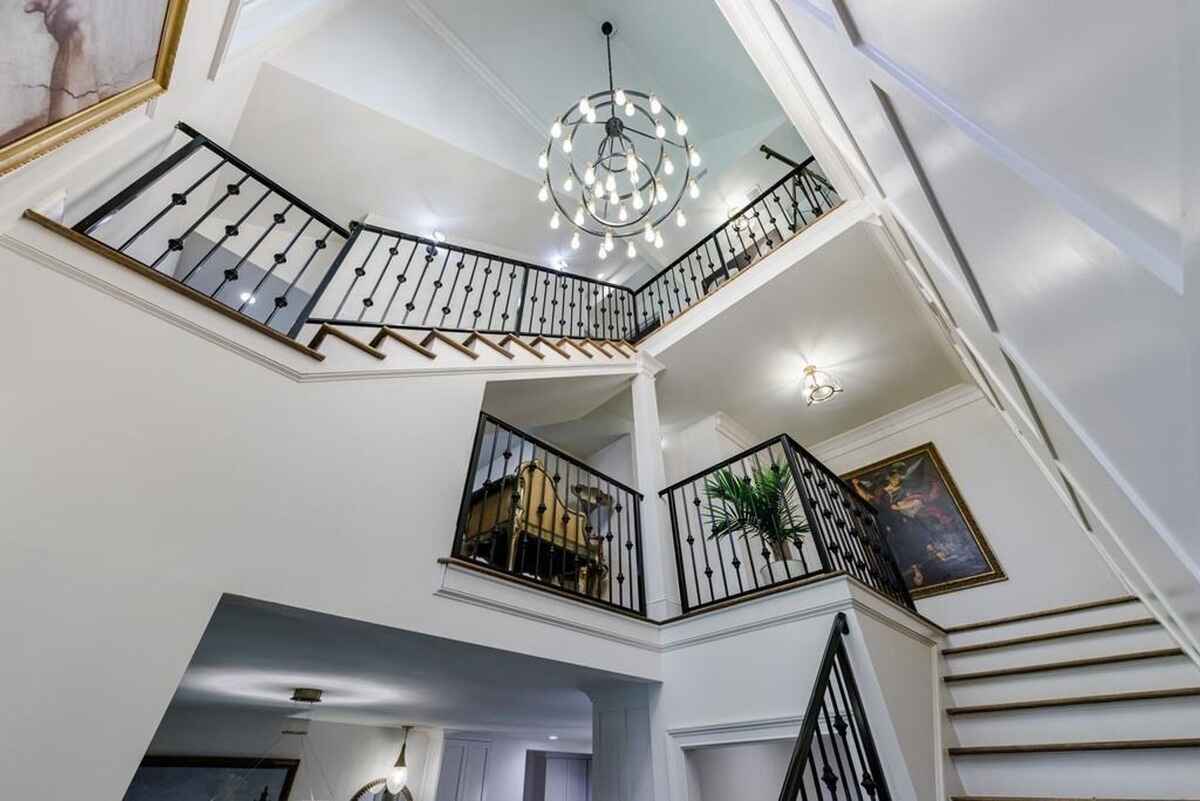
(599, 207)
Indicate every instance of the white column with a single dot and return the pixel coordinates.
(662, 591)
(629, 759)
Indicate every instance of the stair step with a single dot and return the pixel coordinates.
(327, 330)
(1057, 748)
(1061, 610)
(1053, 635)
(1074, 663)
(1079, 700)
(435, 335)
(386, 333)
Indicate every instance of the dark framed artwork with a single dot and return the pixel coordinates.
(935, 538)
(172, 778)
(68, 66)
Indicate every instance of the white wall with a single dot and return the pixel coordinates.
(615, 460)
(504, 779)
(743, 771)
(349, 755)
(700, 445)
(1047, 557)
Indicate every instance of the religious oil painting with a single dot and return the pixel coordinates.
(936, 541)
(67, 66)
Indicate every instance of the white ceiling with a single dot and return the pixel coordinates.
(253, 654)
(430, 113)
(844, 309)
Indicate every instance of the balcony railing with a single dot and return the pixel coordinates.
(403, 281)
(206, 220)
(788, 206)
(835, 758)
(533, 512)
(771, 516)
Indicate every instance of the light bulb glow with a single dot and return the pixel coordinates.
(584, 105)
(578, 218)
(568, 145)
(603, 253)
(614, 198)
(620, 97)
(396, 779)
(648, 233)
(658, 241)
(543, 161)
(680, 126)
(555, 220)
(693, 189)
(660, 130)
(622, 214)
(543, 193)
(610, 183)
(591, 115)
(439, 236)
(693, 157)
(629, 109)
(589, 175)
(568, 183)
(668, 166)
(638, 203)
(630, 251)
(575, 241)
(608, 241)
(661, 194)
(680, 218)
(655, 104)
(556, 129)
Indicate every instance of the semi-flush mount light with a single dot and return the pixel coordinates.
(819, 386)
(398, 776)
(626, 191)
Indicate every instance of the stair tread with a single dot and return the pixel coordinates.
(1073, 663)
(1078, 700)
(1061, 610)
(386, 333)
(326, 330)
(1101, 745)
(1051, 635)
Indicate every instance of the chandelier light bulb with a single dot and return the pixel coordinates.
(568, 145)
(614, 198)
(568, 183)
(693, 189)
(578, 218)
(680, 126)
(819, 386)
(589, 175)
(591, 115)
(661, 195)
(543, 161)
(575, 241)
(543, 193)
(648, 233)
(693, 157)
(620, 97)
(584, 105)
(668, 166)
(556, 129)
(655, 104)
(660, 130)
(680, 218)
(634, 175)
(610, 183)
(630, 109)
(608, 240)
(622, 215)
(554, 221)
(658, 240)
(603, 253)
(638, 203)
(630, 251)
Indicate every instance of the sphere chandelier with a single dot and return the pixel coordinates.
(599, 180)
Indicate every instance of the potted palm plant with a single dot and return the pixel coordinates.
(761, 504)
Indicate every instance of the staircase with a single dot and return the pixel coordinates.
(1094, 701)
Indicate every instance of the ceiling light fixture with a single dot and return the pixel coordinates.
(819, 386)
(398, 776)
(606, 127)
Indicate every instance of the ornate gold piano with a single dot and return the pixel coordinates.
(521, 524)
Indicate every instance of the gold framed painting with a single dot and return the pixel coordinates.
(936, 540)
(67, 66)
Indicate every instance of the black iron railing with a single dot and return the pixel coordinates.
(835, 756)
(211, 222)
(532, 511)
(788, 206)
(396, 279)
(769, 516)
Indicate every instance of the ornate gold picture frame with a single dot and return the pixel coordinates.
(72, 24)
(933, 534)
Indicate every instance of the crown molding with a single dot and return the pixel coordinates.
(914, 414)
(475, 64)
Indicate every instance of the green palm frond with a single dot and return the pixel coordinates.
(762, 503)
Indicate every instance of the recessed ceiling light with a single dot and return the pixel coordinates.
(552, 737)
(439, 236)
(600, 276)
